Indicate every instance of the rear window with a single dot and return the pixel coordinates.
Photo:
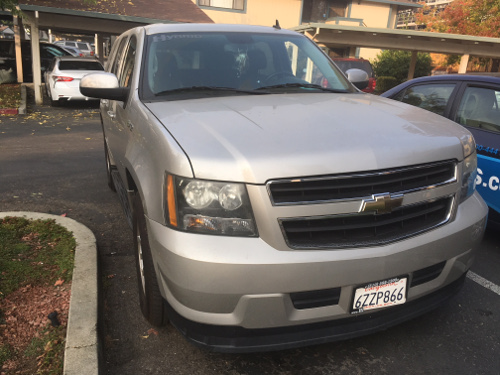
(82, 46)
(80, 65)
(345, 65)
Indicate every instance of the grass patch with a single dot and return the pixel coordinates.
(48, 351)
(34, 253)
(10, 95)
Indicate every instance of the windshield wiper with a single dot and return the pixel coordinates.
(302, 85)
(209, 88)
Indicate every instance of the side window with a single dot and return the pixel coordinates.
(480, 108)
(118, 56)
(125, 77)
(432, 97)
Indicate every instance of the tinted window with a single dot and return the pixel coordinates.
(432, 97)
(52, 51)
(80, 65)
(125, 78)
(480, 108)
(118, 56)
(82, 46)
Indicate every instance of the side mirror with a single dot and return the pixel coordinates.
(358, 78)
(103, 86)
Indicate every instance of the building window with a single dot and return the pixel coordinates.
(337, 8)
(321, 10)
(225, 4)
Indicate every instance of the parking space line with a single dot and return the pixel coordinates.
(483, 282)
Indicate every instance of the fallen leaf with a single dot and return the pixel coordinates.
(153, 331)
(59, 282)
(64, 215)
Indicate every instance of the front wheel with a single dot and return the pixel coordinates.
(149, 292)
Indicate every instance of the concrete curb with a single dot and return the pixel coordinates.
(81, 351)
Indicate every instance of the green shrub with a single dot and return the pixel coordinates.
(392, 63)
(385, 83)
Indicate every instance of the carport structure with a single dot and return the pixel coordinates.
(335, 36)
(100, 19)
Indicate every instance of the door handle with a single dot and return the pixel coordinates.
(111, 114)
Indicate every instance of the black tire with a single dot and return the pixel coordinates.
(150, 298)
(111, 183)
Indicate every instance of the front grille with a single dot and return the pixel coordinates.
(360, 185)
(365, 229)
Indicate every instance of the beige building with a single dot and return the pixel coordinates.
(292, 13)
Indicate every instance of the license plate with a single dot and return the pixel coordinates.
(379, 295)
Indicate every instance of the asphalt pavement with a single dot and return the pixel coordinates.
(52, 161)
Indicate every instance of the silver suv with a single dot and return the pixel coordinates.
(272, 203)
(82, 46)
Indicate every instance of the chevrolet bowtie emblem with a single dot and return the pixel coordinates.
(381, 203)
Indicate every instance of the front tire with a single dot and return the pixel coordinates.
(150, 298)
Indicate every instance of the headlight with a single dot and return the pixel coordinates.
(468, 144)
(209, 207)
(469, 173)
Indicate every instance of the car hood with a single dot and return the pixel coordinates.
(256, 138)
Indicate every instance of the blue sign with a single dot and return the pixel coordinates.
(488, 180)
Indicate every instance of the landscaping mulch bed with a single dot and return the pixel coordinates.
(36, 262)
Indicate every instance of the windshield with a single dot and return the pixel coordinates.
(186, 64)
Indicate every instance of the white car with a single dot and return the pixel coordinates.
(62, 78)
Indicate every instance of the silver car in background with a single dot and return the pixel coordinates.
(82, 46)
(273, 204)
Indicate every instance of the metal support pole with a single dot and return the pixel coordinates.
(18, 36)
(464, 61)
(413, 64)
(35, 55)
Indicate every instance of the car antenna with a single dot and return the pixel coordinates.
(277, 26)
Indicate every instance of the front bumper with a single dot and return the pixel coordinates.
(245, 285)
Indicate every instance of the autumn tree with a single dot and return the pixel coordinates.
(8, 5)
(467, 17)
